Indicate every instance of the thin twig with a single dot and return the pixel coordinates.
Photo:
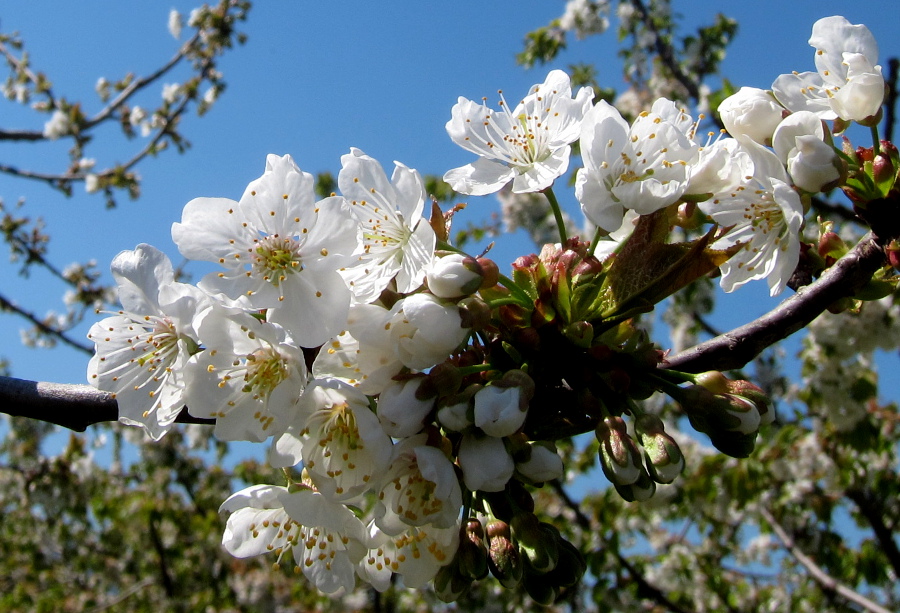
(644, 586)
(826, 581)
(8, 305)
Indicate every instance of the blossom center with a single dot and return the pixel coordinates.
(264, 370)
(274, 257)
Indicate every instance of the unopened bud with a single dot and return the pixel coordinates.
(579, 333)
(570, 568)
(504, 559)
(472, 554)
(474, 313)
(453, 276)
(714, 381)
(620, 458)
(830, 244)
(537, 540)
(490, 273)
(755, 394)
(449, 583)
(664, 459)
(641, 490)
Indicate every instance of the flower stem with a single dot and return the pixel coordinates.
(594, 242)
(876, 142)
(474, 368)
(557, 213)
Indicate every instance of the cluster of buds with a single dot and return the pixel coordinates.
(729, 412)
(516, 548)
(633, 474)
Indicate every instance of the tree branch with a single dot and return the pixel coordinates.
(666, 53)
(644, 586)
(826, 581)
(71, 406)
(8, 305)
(738, 347)
(871, 508)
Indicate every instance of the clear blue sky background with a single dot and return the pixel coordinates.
(314, 79)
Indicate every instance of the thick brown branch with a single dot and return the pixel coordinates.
(738, 347)
(71, 406)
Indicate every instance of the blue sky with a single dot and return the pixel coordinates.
(314, 79)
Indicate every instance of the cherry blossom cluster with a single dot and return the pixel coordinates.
(409, 393)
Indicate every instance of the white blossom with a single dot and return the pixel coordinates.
(765, 216)
(396, 242)
(281, 250)
(142, 351)
(249, 378)
(848, 83)
(528, 145)
(642, 167)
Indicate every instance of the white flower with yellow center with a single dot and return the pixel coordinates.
(642, 167)
(396, 242)
(416, 554)
(338, 437)
(249, 378)
(765, 215)
(420, 488)
(142, 350)
(848, 82)
(528, 145)
(362, 356)
(326, 539)
(281, 250)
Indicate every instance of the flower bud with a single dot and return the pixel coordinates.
(499, 411)
(504, 559)
(472, 554)
(455, 415)
(754, 394)
(453, 276)
(830, 244)
(400, 411)
(751, 112)
(449, 582)
(424, 330)
(664, 459)
(641, 490)
(813, 165)
(490, 272)
(539, 541)
(544, 464)
(485, 463)
(570, 567)
(620, 458)
(579, 333)
(474, 313)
